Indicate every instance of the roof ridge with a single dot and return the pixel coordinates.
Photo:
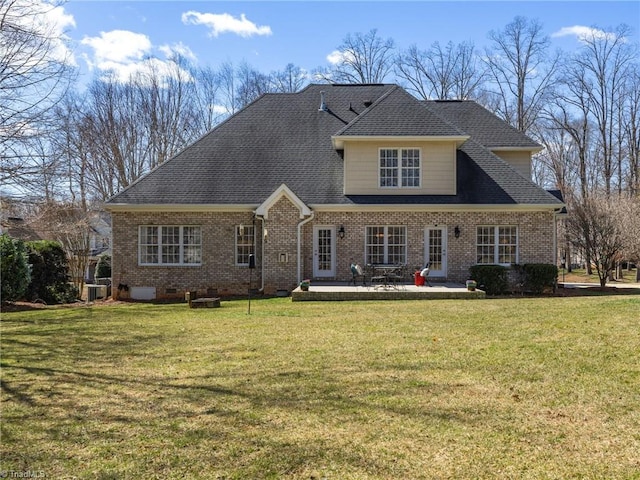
(367, 110)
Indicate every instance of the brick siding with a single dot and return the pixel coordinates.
(219, 272)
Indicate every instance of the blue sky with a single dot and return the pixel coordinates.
(268, 34)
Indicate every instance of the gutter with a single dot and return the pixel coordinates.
(299, 252)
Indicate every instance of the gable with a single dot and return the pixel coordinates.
(282, 192)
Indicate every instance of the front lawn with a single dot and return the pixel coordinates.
(498, 388)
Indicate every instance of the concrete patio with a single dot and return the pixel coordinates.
(338, 292)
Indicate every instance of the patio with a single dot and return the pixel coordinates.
(320, 291)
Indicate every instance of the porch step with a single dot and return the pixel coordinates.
(205, 303)
(409, 292)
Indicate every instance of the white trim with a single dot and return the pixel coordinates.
(399, 168)
(235, 242)
(299, 246)
(328, 207)
(496, 243)
(385, 245)
(194, 207)
(160, 245)
(282, 191)
(431, 208)
(339, 140)
(436, 273)
(317, 273)
(516, 149)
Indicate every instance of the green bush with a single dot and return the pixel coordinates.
(49, 273)
(15, 270)
(103, 268)
(490, 278)
(538, 276)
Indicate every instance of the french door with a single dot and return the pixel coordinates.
(324, 246)
(435, 250)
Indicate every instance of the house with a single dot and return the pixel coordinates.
(308, 182)
(99, 230)
(19, 228)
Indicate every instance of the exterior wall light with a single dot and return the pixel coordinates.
(456, 231)
(341, 231)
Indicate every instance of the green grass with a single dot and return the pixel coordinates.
(539, 388)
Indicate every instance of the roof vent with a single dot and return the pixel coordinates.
(368, 103)
(323, 104)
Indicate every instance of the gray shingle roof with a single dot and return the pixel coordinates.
(485, 128)
(286, 138)
(411, 118)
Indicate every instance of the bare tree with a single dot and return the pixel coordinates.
(452, 72)
(557, 165)
(207, 111)
(604, 65)
(228, 87)
(595, 229)
(521, 72)
(631, 127)
(361, 58)
(289, 80)
(70, 225)
(34, 73)
(251, 84)
(119, 131)
(628, 215)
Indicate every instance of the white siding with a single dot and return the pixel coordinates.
(519, 159)
(438, 168)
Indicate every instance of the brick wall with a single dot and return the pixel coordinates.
(281, 246)
(219, 272)
(535, 229)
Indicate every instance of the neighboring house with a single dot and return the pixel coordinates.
(99, 241)
(311, 181)
(18, 228)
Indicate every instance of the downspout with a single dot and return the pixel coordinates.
(261, 218)
(556, 216)
(299, 253)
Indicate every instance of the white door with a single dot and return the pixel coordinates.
(435, 250)
(324, 264)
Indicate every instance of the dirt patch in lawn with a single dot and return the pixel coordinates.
(26, 306)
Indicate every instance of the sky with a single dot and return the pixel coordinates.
(268, 35)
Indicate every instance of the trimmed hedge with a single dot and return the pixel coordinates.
(490, 278)
(538, 276)
(15, 273)
(49, 273)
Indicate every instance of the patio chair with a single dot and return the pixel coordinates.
(424, 273)
(357, 271)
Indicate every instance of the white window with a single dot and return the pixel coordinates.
(244, 243)
(497, 244)
(399, 167)
(386, 244)
(169, 245)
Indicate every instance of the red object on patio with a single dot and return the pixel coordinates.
(419, 279)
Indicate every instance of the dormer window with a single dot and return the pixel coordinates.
(399, 167)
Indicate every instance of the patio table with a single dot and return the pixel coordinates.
(386, 276)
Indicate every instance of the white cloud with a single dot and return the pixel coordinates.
(337, 57)
(179, 49)
(225, 23)
(142, 71)
(126, 55)
(582, 33)
(52, 22)
(119, 46)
